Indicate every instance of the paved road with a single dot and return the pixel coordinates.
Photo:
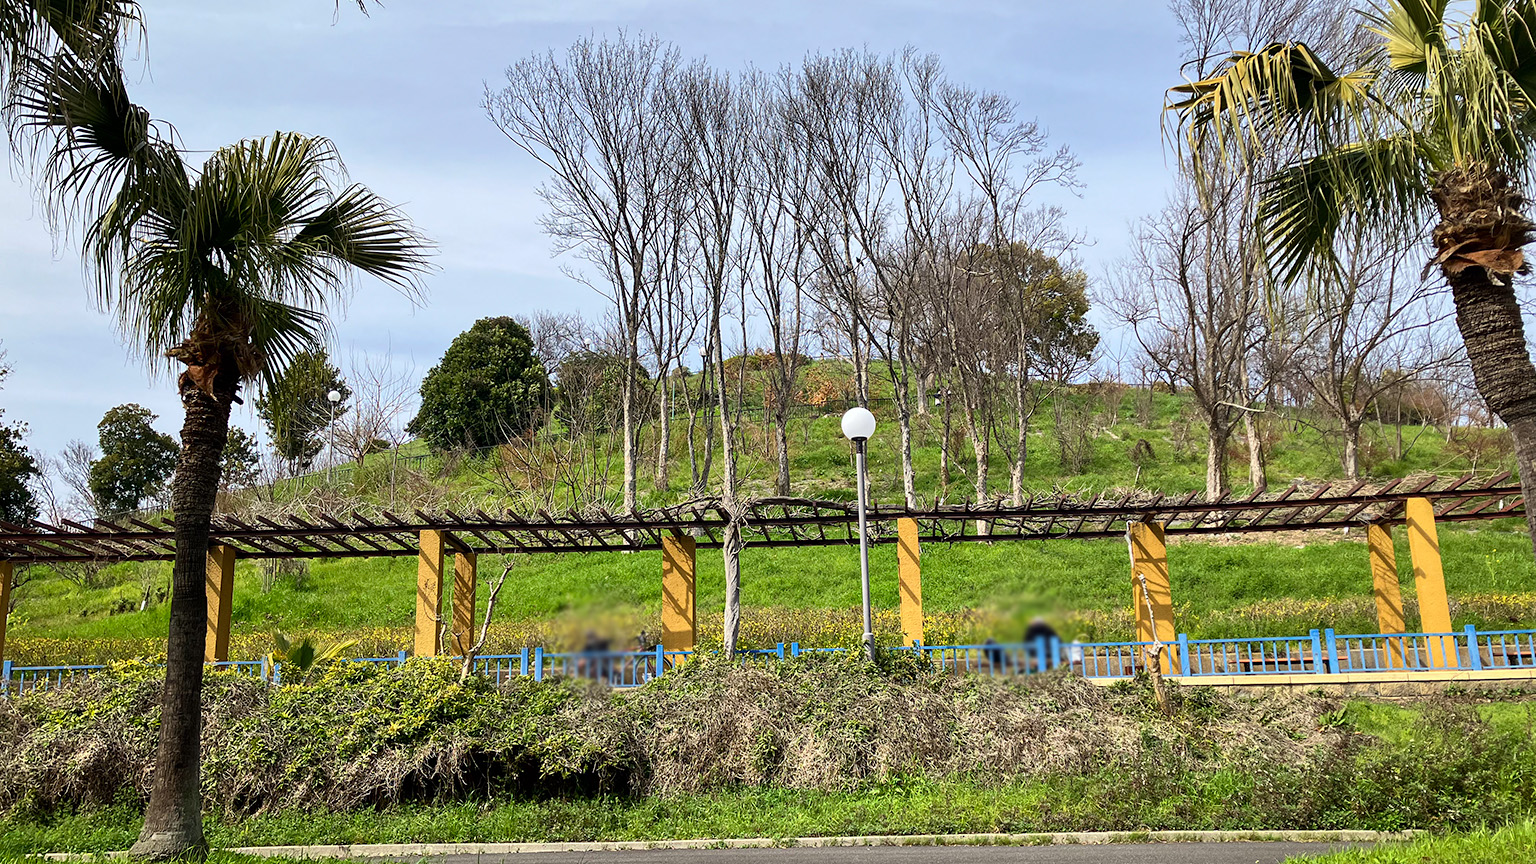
(1113, 853)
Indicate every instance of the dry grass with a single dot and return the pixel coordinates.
(359, 736)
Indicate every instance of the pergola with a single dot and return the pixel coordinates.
(1145, 519)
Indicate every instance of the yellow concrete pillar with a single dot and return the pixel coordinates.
(429, 593)
(6, 574)
(1429, 582)
(679, 611)
(220, 584)
(1389, 596)
(463, 602)
(1149, 559)
(910, 575)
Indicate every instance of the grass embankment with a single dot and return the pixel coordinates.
(820, 746)
(1506, 845)
(811, 595)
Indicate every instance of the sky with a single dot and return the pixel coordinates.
(400, 90)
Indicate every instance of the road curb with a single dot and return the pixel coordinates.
(418, 850)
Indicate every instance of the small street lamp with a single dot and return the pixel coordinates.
(333, 397)
(858, 425)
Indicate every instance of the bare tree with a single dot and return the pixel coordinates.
(709, 118)
(1374, 332)
(1202, 279)
(598, 120)
(1177, 296)
(778, 215)
(382, 393)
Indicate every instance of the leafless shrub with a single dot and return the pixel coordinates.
(1074, 434)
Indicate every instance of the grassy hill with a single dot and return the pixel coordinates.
(1276, 586)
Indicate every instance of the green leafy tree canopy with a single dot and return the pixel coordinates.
(136, 461)
(488, 387)
(241, 459)
(17, 503)
(589, 391)
(296, 409)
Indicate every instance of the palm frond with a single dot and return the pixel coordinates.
(1505, 32)
(89, 134)
(1413, 33)
(258, 248)
(1376, 182)
(1277, 97)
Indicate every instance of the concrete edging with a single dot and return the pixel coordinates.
(417, 850)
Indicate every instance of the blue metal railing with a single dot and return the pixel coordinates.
(1321, 652)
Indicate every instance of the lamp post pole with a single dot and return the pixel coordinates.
(858, 426)
(330, 469)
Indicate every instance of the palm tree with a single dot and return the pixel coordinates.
(1434, 126)
(227, 269)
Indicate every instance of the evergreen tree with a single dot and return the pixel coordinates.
(296, 408)
(136, 461)
(488, 387)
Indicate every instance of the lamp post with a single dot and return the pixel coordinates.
(333, 397)
(858, 425)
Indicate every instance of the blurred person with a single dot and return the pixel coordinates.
(1040, 642)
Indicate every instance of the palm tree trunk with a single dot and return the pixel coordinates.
(173, 821)
(1479, 238)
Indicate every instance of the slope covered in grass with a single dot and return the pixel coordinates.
(820, 745)
(1273, 586)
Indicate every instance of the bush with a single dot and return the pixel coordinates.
(363, 736)
(488, 387)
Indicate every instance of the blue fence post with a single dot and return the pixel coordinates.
(794, 649)
(1317, 653)
(1184, 654)
(1039, 654)
(661, 659)
(5, 678)
(538, 663)
(781, 652)
(1472, 652)
(523, 672)
(277, 672)
(1055, 654)
(400, 657)
(1332, 648)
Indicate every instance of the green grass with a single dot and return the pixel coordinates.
(916, 806)
(1219, 589)
(1504, 846)
(1266, 588)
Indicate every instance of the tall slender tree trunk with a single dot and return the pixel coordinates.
(173, 821)
(944, 448)
(981, 445)
(908, 472)
(1257, 474)
(693, 453)
(1216, 460)
(631, 440)
(1020, 444)
(730, 547)
(781, 448)
(1351, 455)
(662, 476)
(1479, 240)
(727, 439)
